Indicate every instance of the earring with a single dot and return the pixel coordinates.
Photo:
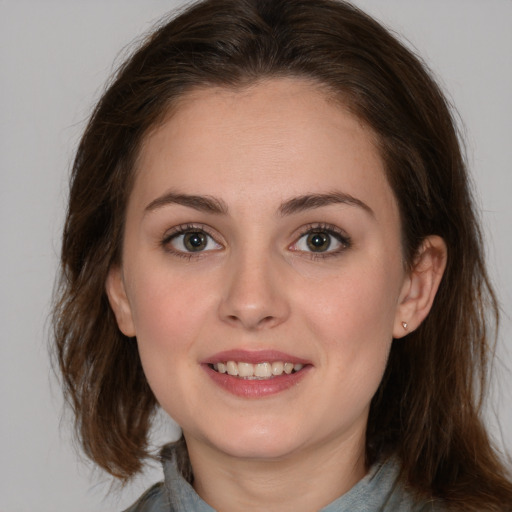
(404, 325)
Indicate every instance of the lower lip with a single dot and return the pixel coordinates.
(256, 388)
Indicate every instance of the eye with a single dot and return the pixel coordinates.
(318, 242)
(190, 240)
(321, 240)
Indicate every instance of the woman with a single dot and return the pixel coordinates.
(271, 236)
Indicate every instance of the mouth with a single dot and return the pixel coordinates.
(259, 371)
(256, 374)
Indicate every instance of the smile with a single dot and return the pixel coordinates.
(256, 374)
(258, 371)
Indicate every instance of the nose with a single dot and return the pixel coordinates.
(255, 295)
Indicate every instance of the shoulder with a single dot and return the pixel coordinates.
(153, 500)
(402, 498)
(406, 502)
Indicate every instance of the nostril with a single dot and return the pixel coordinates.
(253, 305)
(254, 321)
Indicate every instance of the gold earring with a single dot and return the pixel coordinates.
(404, 325)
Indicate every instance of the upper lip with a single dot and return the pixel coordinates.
(254, 357)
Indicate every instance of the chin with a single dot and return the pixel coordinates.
(262, 450)
(258, 442)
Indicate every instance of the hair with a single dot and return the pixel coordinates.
(427, 410)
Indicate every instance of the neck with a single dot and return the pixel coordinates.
(303, 481)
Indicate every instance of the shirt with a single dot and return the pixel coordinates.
(379, 491)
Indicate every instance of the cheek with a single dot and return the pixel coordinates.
(169, 315)
(353, 316)
(354, 304)
(165, 302)
(355, 321)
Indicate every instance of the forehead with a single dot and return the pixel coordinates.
(275, 138)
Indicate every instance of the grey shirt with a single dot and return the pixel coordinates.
(379, 491)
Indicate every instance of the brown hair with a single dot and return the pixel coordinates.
(427, 409)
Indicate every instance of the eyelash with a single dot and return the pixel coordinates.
(183, 229)
(329, 229)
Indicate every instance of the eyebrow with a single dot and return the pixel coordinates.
(312, 201)
(210, 204)
(207, 204)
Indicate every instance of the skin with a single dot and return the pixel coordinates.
(258, 285)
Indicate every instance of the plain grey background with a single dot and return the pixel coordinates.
(55, 56)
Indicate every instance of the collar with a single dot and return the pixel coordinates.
(379, 491)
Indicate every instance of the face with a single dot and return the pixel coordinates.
(262, 239)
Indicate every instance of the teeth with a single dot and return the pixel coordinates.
(232, 368)
(263, 370)
(245, 369)
(257, 371)
(277, 368)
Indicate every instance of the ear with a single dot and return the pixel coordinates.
(119, 301)
(420, 286)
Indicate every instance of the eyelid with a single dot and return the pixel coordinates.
(339, 234)
(182, 229)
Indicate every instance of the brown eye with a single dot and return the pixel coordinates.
(195, 241)
(190, 241)
(318, 242)
(322, 241)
